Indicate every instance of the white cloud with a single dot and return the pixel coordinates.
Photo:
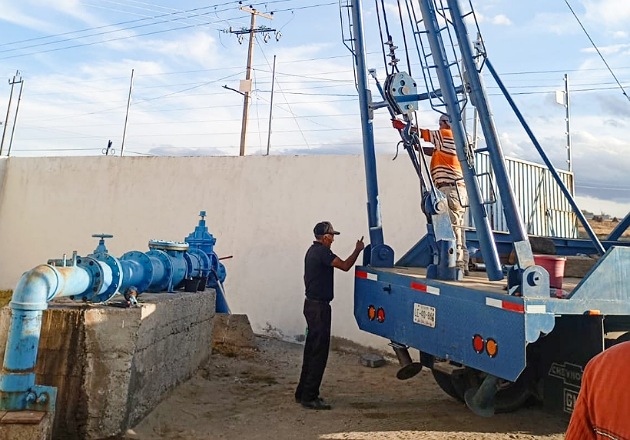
(12, 14)
(501, 20)
(555, 23)
(198, 47)
(599, 206)
(607, 13)
(608, 50)
(45, 16)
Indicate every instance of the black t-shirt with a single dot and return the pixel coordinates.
(318, 272)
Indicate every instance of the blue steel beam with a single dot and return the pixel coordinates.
(380, 254)
(480, 101)
(488, 248)
(543, 155)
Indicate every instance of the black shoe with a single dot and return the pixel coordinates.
(318, 404)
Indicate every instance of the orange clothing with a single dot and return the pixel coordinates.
(445, 166)
(602, 409)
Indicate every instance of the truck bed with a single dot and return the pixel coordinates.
(476, 280)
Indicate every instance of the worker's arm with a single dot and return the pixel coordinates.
(580, 426)
(425, 135)
(346, 264)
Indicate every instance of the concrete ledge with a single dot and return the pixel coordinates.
(112, 365)
(25, 425)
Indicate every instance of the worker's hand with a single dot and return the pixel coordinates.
(360, 245)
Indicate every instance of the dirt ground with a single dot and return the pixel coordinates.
(602, 229)
(248, 394)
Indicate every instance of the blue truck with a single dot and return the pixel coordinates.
(504, 337)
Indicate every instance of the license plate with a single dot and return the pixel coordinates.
(424, 315)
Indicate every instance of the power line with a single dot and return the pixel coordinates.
(597, 49)
(135, 27)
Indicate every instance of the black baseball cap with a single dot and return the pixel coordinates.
(323, 228)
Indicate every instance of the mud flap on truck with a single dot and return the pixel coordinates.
(563, 355)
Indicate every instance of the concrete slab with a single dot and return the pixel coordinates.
(26, 425)
(22, 417)
(113, 365)
(233, 330)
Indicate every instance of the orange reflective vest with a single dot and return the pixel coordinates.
(445, 166)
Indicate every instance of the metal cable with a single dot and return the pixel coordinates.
(380, 31)
(404, 36)
(597, 49)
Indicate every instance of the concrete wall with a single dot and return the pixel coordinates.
(261, 210)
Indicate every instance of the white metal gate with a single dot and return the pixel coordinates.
(544, 209)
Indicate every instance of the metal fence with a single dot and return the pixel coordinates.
(544, 209)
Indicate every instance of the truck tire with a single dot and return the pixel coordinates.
(447, 383)
(511, 395)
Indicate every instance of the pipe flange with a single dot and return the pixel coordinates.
(91, 266)
(116, 269)
(206, 263)
(144, 261)
(168, 245)
(164, 283)
(191, 270)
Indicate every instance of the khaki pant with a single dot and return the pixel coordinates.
(457, 198)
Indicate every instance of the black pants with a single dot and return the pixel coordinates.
(318, 319)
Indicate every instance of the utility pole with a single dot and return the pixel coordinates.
(247, 87)
(562, 98)
(12, 82)
(273, 81)
(17, 109)
(122, 145)
(567, 108)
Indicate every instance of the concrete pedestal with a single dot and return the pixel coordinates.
(113, 365)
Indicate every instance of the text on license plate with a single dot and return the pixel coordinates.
(424, 315)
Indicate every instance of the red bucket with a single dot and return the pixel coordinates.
(555, 266)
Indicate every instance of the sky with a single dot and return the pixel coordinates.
(76, 58)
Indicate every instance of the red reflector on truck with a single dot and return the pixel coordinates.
(424, 288)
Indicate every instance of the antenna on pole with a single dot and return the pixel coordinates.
(246, 85)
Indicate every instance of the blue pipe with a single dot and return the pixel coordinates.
(543, 155)
(95, 278)
(488, 247)
(30, 299)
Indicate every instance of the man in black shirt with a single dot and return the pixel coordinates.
(319, 265)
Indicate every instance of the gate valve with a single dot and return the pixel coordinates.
(101, 243)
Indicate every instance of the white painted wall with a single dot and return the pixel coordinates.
(260, 209)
